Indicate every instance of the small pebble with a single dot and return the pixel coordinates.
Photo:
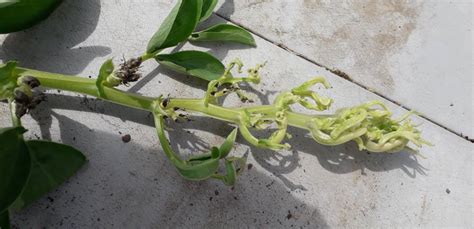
(448, 191)
(249, 166)
(126, 138)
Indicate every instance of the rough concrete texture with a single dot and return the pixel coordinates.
(417, 53)
(132, 185)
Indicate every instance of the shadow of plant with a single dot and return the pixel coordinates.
(55, 39)
(337, 159)
(133, 184)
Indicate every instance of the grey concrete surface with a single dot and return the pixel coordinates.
(416, 53)
(132, 185)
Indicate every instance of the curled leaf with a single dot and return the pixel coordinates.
(226, 147)
(105, 71)
(191, 170)
(224, 32)
(234, 167)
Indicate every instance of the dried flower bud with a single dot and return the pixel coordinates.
(21, 97)
(31, 81)
(128, 71)
(20, 110)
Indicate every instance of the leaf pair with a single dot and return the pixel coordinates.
(31, 169)
(179, 26)
(199, 167)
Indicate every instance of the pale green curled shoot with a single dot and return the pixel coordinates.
(227, 83)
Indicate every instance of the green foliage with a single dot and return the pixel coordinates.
(177, 27)
(4, 3)
(16, 15)
(31, 169)
(224, 32)
(199, 167)
(52, 164)
(105, 71)
(4, 220)
(7, 79)
(194, 63)
(15, 163)
(207, 8)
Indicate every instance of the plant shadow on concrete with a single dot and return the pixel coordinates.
(55, 40)
(134, 185)
(340, 159)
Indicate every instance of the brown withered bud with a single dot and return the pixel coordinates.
(31, 81)
(21, 97)
(20, 110)
(128, 71)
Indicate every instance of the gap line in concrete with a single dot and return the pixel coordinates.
(342, 75)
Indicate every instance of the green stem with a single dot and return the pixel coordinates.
(88, 87)
(15, 120)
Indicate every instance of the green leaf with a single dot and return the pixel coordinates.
(15, 165)
(207, 8)
(105, 70)
(177, 26)
(196, 170)
(19, 15)
(224, 32)
(7, 79)
(52, 164)
(4, 220)
(4, 3)
(200, 170)
(234, 167)
(226, 147)
(194, 63)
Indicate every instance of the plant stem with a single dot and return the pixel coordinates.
(15, 120)
(88, 87)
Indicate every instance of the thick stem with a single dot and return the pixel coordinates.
(87, 86)
(15, 120)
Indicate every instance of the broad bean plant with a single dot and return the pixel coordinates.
(29, 169)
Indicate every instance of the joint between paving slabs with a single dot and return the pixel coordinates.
(343, 75)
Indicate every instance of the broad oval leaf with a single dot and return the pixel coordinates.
(14, 165)
(177, 26)
(207, 8)
(224, 32)
(7, 79)
(4, 220)
(52, 164)
(4, 3)
(22, 14)
(195, 63)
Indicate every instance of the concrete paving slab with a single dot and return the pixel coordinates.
(129, 185)
(416, 53)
